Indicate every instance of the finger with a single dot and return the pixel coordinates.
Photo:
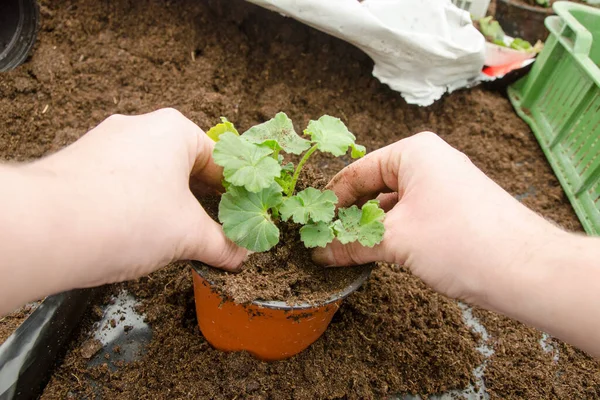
(392, 249)
(339, 255)
(200, 146)
(208, 244)
(387, 201)
(364, 199)
(365, 178)
(205, 168)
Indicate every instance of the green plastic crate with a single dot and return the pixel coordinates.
(560, 100)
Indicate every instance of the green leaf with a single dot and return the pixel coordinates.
(225, 126)
(331, 136)
(491, 29)
(246, 219)
(285, 180)
(319, 234)
(520, 44)
(289, 167)
(244, 163)
(310, 205)
(363, 225)
(358, 151)
(278, 133)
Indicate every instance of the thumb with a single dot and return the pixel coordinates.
(337, 254)
(208, 243)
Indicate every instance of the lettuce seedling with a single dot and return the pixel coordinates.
(261, 186)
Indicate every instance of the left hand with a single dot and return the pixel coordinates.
(127, 186)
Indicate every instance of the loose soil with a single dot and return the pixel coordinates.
(286, 272)
(10, 322)
(533, 3)
(213, 58)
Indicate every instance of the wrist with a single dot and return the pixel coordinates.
(26, 219)
(556, 289)
(524, 290)
(46, 246)
(524, 270)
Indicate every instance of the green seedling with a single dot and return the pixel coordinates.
(261, 186)
(493, 33)
(491, 29)
(543, 3)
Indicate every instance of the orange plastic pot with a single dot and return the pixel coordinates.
(269, 330)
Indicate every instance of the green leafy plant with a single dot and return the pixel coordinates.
(261, 186)
(491, 29)
(493, 33)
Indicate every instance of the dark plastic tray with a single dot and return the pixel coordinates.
(28, 356)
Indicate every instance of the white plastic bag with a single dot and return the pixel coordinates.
(477, 8)
(421, 48)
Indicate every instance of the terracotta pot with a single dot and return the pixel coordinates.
(520, 20)
(269, 330)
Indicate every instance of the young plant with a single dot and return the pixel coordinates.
(493, 33)
(260, 186)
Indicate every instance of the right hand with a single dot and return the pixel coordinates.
(447, 221)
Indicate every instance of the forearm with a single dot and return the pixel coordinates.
(555, 287)
(42, 240)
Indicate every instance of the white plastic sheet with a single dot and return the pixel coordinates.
(421, 48)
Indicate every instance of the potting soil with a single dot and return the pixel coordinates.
(535, 4)
(217, 58)
(286, 272)
(10, 322)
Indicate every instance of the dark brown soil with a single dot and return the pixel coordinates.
(395, 335)
(534, 3)
(286, 272)
(10, 322)
(517, 360)
(213, 58)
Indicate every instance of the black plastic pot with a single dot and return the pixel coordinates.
(523, 21)
(29, 354)
(19, 21)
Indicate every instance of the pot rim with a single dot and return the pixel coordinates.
(527, 7)
(200, 269)
(23, 37)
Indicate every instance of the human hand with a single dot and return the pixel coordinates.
(448, 222)
(126, 186)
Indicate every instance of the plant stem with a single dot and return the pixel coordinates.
(276, 155)
(275, 213)
(299, 168)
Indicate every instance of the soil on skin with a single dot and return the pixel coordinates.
(286, 272)
(217, 58)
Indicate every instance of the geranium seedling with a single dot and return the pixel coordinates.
(260, 185)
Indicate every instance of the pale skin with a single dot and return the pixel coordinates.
(113, 206)
(117, 205)
(469, 239)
